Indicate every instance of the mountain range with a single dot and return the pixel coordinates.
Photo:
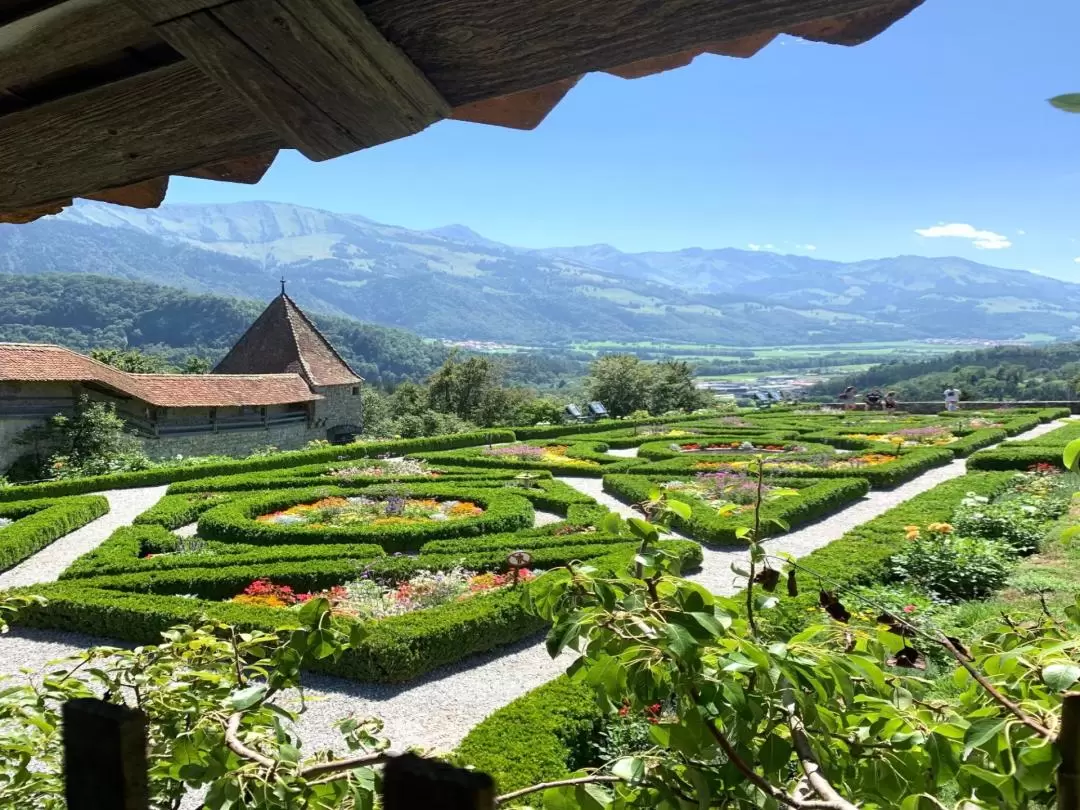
(453, 283)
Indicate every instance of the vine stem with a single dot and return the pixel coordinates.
(579, 780)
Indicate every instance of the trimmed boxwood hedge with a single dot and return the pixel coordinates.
(38, 523)
(910, 464)
(540, 737)
(316, 475)
(1015, 457)
(235, 521)
(662, 450)
(137, 607)
(631, 437)
(976, 440)
(168, 474)
(174, 511)
(1058, 437)
(817, 498)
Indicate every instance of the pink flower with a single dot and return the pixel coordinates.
(909, 608)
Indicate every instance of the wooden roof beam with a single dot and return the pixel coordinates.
(163, 122)
(320, 74)
(64, 36)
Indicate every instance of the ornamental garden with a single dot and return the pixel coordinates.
(429, 552)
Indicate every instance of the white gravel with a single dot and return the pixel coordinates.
(189, 530)
(436, 711)
(625, 452)
(546, 519)
(47, 564)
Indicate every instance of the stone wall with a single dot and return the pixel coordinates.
(341, 405)
(9, 429)
(230, 442)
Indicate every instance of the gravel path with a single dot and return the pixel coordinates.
(436, 711)
(46, 565)
(625, 452)
(546, 518)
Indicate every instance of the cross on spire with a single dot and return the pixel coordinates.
(283, 285)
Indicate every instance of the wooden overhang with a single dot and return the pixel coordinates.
(105, 99)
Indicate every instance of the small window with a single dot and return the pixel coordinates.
(356, 390)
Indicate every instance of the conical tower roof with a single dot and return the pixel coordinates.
(283, 339)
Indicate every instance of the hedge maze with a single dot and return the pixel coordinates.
(386, 518)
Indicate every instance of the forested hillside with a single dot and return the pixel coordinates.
(1003, 372)
(88, 311)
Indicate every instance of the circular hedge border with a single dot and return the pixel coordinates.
(236, 522)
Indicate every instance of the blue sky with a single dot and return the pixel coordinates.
(939, 125)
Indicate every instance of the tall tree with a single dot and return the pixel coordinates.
(621, 382)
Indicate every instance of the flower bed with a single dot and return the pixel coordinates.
(238, 521)
(360, 510)
(875, 469)
(719, 446)
(579, 458)
(366, 598)
(816, 498)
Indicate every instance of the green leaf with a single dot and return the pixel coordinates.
(632, 769)
(783, 524)
(1069, 102)
(246, 698)
(1071, 454)
(680, 508)
(981, 731)
(312, 611)
(1060, 677)
(679, 639)
(611, 523)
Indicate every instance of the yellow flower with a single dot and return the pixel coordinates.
(912, 532)
(940, 528)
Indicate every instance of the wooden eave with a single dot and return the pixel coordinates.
(105, 99)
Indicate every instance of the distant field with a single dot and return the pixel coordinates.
(716, 351)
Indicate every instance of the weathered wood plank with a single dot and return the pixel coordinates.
(147, 194)
(320, 74)
(159, 11)
(518, 111)
(858, 28)
(104, 756)
(64, 36)
(248, 169)
(476, 49)
(159, 123)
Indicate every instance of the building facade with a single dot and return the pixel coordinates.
(282, 384)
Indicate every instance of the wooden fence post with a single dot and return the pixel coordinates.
(104, 756)
(1068, 745)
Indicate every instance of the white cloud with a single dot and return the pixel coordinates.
(811, 248)
(1021, 232)
(753, 246)
(1077, 260)
(984, 240)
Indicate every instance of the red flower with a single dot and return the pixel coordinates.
(909, 608)
(623, 711)
(654, 709)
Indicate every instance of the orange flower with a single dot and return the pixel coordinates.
(912, 532)
(940, 528)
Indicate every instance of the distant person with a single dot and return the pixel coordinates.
(847, 397)
(873, 399)
(890, 402)
(952, 398)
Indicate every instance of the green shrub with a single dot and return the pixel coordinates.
(1017, 456)
(168, 474)
(38, 523)
(174, 511)
(815, 500)
(953, 568)
(592, 453)
(540, 737)
(977, 439)
(861, 556)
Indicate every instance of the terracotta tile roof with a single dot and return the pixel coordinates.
(33, 362)
(283, 339)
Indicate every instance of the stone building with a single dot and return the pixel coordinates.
(282, 384)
